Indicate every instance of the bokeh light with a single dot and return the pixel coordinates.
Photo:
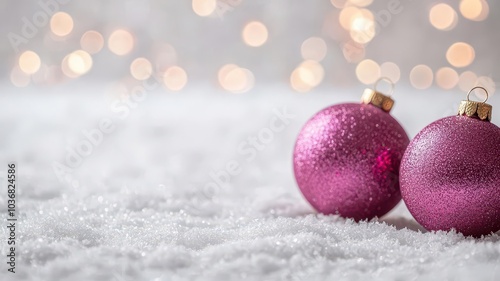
(476, 10)
(29, 62)
(313, 48)
(362, 28)
(141, 69)
(351, 25)
(368, 71)
(255, 34)
(222, 73)
(485, 11)
(446, 78)
(242, 75)
(297, 83)
(460, 54)
(467, 81)
(443, 17)
(421, 77)
(92, 42)
(79, 62)
(235, 79)
(175, 78)
(347, 15)
(306, 76)
(19, 78)
(204, 8)
(311, 72)
(61, 24)
(121, 42)
(66, 70)
(391, 71)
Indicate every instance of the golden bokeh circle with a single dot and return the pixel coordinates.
(29, 62)
(204, 8)
(313, 48)
(255, 34)
(121, 42)
(391, 71)
(141, 69)
(175, 78)
(443, 17)
(460, 54)
(92, 41)
(421, 77)
(368, 71)
(446, 78)
(61, 24)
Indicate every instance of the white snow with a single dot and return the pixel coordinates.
(144, 207)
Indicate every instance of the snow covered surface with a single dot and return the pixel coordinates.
(143, 205)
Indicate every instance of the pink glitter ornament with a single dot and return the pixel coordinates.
(347, 157)
(450, 173)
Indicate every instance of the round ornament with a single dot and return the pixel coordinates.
(450, 173)
(346, 159)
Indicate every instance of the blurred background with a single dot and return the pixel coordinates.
(145, 133)
(238, 46)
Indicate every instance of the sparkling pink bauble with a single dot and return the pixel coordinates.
(450, 176)
(346, 161)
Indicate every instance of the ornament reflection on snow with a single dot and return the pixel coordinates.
(347, 157)
(450, 173)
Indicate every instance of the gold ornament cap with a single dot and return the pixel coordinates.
(475, 109)
(375, 98)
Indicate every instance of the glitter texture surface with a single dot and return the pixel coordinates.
(346, 161)
(450, 176)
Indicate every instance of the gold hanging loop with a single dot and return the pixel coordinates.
(376, 98)
(475, 109)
